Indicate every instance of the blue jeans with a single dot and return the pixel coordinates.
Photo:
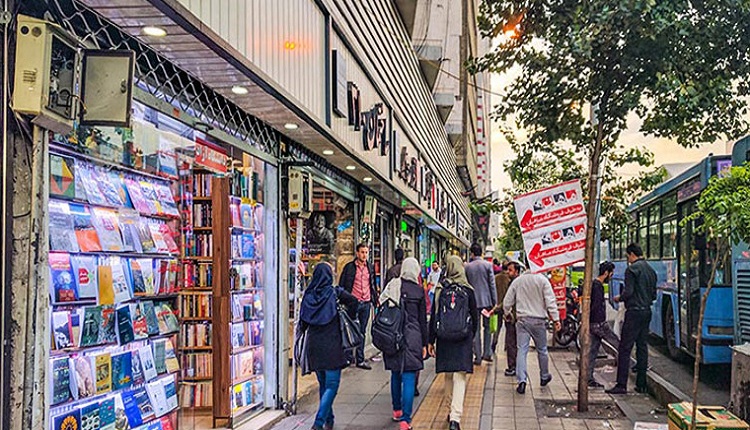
(527, 329)
(402, 392)
(363, 317)
(328, 382)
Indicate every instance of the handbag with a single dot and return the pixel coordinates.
(300, 350)
(493, 323)
(351, 333)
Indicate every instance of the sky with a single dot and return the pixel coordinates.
(664, 150)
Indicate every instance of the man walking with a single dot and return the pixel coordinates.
(395, 270)
(358, 279)
(638, 294)
(510, 271)
(599, 327)
(433, 278)
(532, 295)
(481, 277)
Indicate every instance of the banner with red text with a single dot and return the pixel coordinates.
(549, 205)
(556, 245)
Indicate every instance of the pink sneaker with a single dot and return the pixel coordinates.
(404, 426)
(397, 415)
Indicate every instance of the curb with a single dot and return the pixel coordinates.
(658, 387)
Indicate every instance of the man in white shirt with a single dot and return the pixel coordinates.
(433, 278)
(532, 295)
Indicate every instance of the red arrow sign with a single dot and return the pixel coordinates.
(537, 254)
(529, 221)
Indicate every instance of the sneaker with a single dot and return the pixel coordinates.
(510, 372)
(404, 426)
(545, 381)
(594, 384)
(454, 425)
(521, 389)
(617, 389)
(364, 365)
(397, 415)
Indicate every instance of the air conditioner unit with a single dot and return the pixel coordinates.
(46, 74)
(300, 193)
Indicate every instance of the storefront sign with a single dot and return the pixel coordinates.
(353, 105)
(549, 205)
(207, 156)
(692, 188)
(372, 123)
(556, 245)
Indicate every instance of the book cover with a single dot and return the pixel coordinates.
(140, 326)
(75, 327)
(167, 318)
(88, 240)
(90, 416)
(258, 311)
(120, 281)
(259, 245)
(246, 213)
(107, 228)
(82, 381)
(258, 216)
(156, 425)
(144, 404)
(256, 330)
(87, 173)
(132, 411)
(107, 414)
(121, 419)
(137, 367)
(258, 390)
(109, 184)
(124, 325)
(103, 370)
(136, 197)
(106, 291)
(159, 240)
(160, 355)
(60, 372)
(62, 176)
(149, 194)
(165, 196)
(144, 235)
(62, 329)
(170, 358)
(247, 390)
(168, 236)
(166, 154)
(152, 322)
(238, 335)
(245, 364)
(234, 209)
(85, 275)
(122, 188)
(63, 287)
(91, 326)
(238, 398)
(166, 423)
(158, 398)
(258, 361)
(122, 370)
(62, 234)
(147, 362)
(108, 330)
(147, 269)
(70, 420)
(139, 283)
(129, 220)
(248, 245)
(170, 392)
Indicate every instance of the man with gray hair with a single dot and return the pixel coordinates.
(481, 277)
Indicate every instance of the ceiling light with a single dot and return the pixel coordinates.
(367, 179)
(350, 167)
(291, 126)
(289, 45)
(240, 91)
(327, 152)
(154, 31)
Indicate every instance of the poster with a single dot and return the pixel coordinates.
(320, 233)
(549, 205)
(558, 279)
(556, 245)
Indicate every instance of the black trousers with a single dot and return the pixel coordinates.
(634, 332)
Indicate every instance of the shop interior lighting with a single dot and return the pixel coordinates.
(291, 126)
(351, 167)
(240, 91)
(150, 30)
(367, 179)
(327, 152)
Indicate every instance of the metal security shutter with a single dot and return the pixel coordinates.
(742, 301)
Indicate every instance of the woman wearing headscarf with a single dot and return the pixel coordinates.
(454, 358)
(406, 363)
(325, 353)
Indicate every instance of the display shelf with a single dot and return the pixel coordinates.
(189, 290)
(244, 379)
(199, 319)
(198, 258)
(56, 148)
(245, 349)
(196, 348)
(247, 408)
(198, 379)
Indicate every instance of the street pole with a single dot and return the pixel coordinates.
(295, 297)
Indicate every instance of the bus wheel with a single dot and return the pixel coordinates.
(669, 334)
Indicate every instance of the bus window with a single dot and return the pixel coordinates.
(669, 206)
(669, 239)
(654, 232)
(723, 269)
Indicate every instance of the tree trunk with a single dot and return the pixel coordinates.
(721, 251)
(588, 270)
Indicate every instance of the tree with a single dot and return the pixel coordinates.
(681, 66)
(724, 219)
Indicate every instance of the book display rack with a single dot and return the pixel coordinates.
(113, 281)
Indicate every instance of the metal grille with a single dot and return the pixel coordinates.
(163, 79)
(742, 312)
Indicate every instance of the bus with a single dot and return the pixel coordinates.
(741, 264)
(682, 259)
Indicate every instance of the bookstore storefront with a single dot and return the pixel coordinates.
(161, 236)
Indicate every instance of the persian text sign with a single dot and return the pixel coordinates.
(556, 245)
(210, 158)
(549, 205)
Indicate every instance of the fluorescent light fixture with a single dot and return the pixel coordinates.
(327, 152)
(291, 126)
(154, 31)
(239, 90)
(367, 179)
(351, 167)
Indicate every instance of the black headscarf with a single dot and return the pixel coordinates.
(319, 303)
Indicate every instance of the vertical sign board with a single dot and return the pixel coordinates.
(553, 225)
(558, 278)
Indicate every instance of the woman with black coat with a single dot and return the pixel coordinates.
(408, 293)
(455, 358)
(325, 353)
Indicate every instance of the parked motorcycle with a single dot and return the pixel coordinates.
(570, 325)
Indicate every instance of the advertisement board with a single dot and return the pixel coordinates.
(556, 245)
(549, 205)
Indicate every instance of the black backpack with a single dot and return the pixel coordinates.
(388, 328)
(452, 317)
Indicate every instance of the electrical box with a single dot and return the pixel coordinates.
(300, 193)
(46, 75)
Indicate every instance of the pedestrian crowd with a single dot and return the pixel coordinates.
(455, 316)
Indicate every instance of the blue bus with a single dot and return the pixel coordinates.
(682, 259)
(741, 264)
